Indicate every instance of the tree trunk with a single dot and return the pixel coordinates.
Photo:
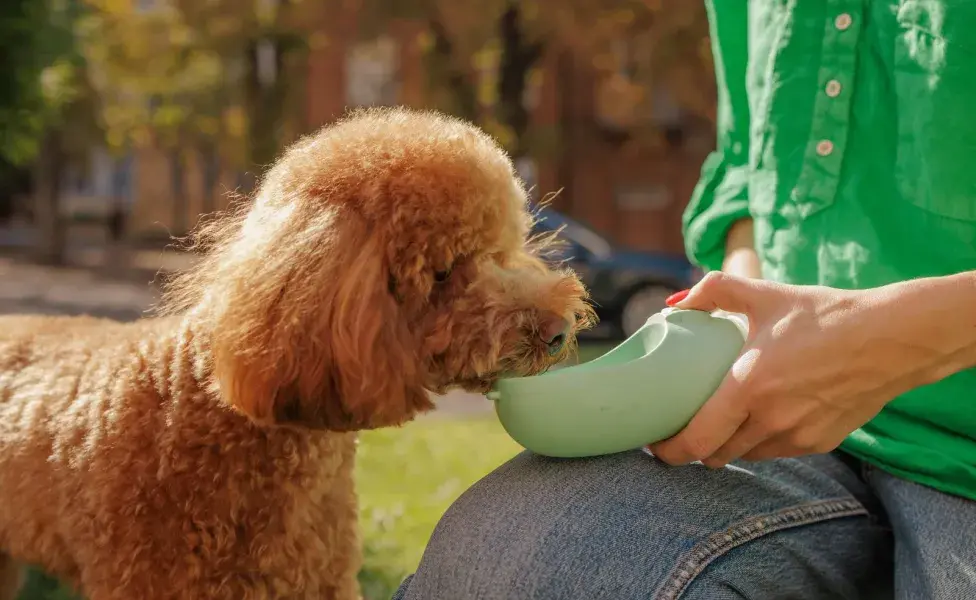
(442, 63)
(569, 128)
(211, 174)
(51, 230)
(265, 107)
(518, 57)
(117, 220)
(178, 190)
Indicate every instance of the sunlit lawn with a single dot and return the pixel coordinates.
(407, 479)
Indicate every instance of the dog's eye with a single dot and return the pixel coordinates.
(391, 285)
(442, 276)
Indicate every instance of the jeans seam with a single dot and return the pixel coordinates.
(693, 563)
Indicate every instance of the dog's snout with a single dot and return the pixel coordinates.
(554, 331)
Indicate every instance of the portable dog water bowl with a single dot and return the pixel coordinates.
(643, 391)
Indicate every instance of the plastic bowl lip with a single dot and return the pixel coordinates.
(740, 321)
(659, 317)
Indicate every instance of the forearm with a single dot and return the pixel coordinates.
(936, 316)
(740, 252)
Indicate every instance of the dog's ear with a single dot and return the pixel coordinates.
(313, 337)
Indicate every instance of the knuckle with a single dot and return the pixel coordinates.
(757, 454)
(772, 424)
(670, 458)
(696, 448)
(761, 384)
(810, 442)
(713, 280)
(665, 453)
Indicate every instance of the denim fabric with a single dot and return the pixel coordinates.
(627, 526)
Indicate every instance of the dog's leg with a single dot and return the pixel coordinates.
(11, 578)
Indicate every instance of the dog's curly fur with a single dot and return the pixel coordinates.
(207, 453)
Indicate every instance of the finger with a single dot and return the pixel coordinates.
(785, 445)
(748, 436)
(713, 425)
(718, 290)
(771, 449)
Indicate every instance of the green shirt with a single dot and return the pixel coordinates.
(847, 130)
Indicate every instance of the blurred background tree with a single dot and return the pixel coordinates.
(483, 55)
(219, 83)
(45, 109)
(164, 80)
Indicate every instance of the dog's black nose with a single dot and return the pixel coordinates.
(554, 331)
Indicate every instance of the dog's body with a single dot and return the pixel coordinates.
(120, 471)
(208, 453)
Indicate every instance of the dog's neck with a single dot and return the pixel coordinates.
(191, 395)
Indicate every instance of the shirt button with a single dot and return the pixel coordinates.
(833, 88)
(843, 21)
(825, 147)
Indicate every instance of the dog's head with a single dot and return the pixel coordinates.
(383, 257)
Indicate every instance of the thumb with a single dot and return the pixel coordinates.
(720, 291)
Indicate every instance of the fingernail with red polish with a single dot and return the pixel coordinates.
(676, 298)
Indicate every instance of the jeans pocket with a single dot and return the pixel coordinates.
(694, 561)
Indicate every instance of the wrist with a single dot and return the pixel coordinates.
(936, 319)
(741, 258)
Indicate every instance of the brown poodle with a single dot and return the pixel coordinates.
(207, 453)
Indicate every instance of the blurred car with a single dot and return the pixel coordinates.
(626, 287)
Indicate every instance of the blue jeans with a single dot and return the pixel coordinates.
(627, 526)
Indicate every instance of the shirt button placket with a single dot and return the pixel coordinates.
(819, 179)
(833, 87)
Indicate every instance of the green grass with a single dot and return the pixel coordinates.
(407, 479)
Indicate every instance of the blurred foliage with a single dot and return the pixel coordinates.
(45, 84)
(46, 106)
(40, 586)
(222, 78)
(484, 56)
(188, 73)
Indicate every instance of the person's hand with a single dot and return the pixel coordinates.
(818, 363)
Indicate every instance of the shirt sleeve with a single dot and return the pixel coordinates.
(722, 195)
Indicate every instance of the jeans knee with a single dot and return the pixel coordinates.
(537, 528)
(623, 526)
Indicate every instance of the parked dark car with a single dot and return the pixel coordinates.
(626, 286)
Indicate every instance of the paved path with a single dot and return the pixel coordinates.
(27, 288)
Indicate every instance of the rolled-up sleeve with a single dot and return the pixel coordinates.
(722, 195)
